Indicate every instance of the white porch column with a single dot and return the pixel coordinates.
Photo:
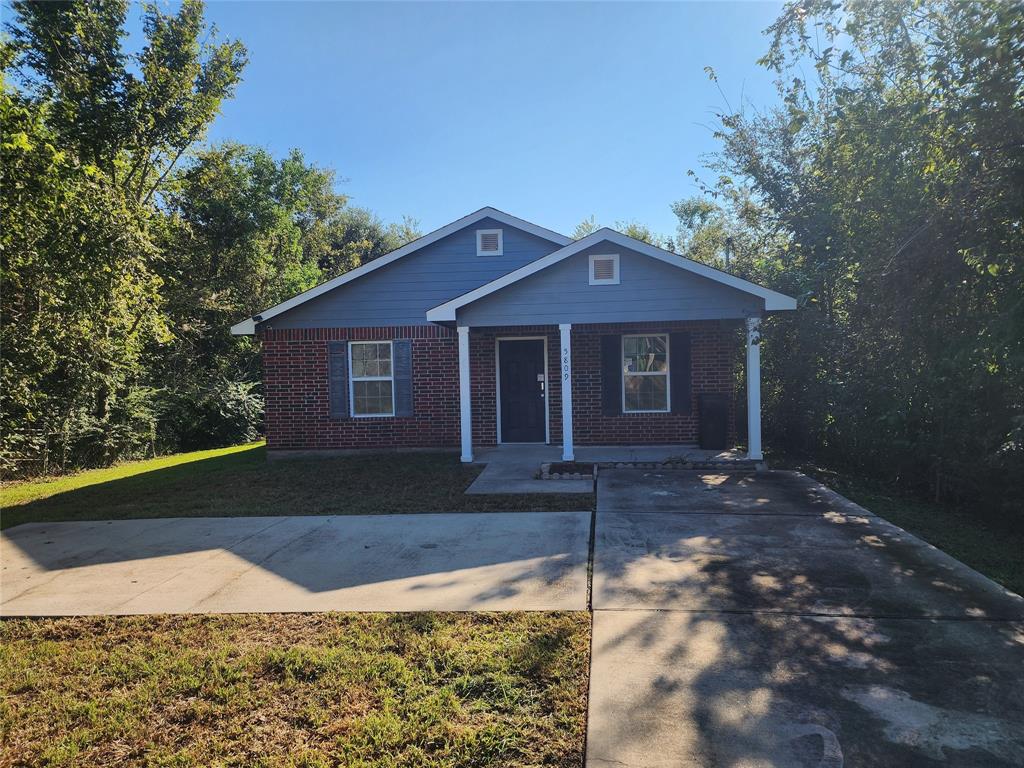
(754, 389)
(566, 357)
(465, 408)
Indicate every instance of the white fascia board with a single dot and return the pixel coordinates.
(772, 300)
(247, 327)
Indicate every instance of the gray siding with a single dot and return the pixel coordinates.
(402, 292)
(648, 289)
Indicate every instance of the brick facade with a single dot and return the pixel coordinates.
(296, 387)
(714, 348)
(296, 391)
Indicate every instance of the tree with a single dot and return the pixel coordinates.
(242, 232)
(86, 144)
(632, 228)
(890, 192)
(132, 127)
(357, 237)
(586, 227)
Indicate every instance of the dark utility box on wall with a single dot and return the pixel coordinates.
(714, 421)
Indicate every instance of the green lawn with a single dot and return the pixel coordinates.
(240, 481)
(295, 690)
(996, 551)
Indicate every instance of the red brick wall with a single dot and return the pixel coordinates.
(295, 387)
(714, 348)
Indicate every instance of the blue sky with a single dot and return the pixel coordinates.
(552, 112)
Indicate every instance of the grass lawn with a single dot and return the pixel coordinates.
(240, 481)
(453, 689)
(996, 551)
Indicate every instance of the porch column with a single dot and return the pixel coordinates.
(565, 332)
(754, 389)
(465, 408)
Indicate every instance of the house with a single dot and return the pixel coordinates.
(494, 330)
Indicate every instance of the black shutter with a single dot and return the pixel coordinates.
(402, 349)
(337, 378)
(679, 373)
(611, 375)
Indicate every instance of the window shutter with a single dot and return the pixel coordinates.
(679, 372)
(402, 349)
(611, 375)
(337, 379)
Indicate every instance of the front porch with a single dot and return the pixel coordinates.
(644, 343)
(578, 391)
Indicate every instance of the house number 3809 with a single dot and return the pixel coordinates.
(565, 363)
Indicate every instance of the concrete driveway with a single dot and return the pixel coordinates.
(762, 620)
(499, 561)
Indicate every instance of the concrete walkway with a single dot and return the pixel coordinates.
(454, 562)
(762, 620)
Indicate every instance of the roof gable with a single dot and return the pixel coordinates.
(248, 326)
(773, 300)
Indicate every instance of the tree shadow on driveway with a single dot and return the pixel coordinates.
(821, 638)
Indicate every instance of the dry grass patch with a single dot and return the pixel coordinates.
(427, 689)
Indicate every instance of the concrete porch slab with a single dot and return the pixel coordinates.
(512, 468)
(654, 454)
(453, 562)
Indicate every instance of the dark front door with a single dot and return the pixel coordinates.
(521, 379)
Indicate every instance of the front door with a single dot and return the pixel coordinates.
(521, 390)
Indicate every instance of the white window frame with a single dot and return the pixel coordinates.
(352, 379)
(604, 281)
(501, 242)
(667, 374)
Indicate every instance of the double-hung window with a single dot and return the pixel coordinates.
(372, 378)
(645, 374)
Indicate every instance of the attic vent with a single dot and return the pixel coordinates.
(488, 242)
(604, 269)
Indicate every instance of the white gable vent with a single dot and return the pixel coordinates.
(489, 242)
(604, 269)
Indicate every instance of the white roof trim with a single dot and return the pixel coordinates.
(772, 300)
(247, 327)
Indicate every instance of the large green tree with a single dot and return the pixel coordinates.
(89, 136)
(890, 184)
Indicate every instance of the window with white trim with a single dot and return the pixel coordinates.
(645, 374)
(371, 378)
(604, 269)
(489, 242)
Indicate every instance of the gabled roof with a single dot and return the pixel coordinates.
(247, 327)
(772, 300)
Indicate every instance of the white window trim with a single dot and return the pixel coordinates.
(352, 379)
(667, 374)
(501, 242)
(615, 261)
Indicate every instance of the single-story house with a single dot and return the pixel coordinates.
(493, 330)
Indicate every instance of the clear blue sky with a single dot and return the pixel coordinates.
(552, 112)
